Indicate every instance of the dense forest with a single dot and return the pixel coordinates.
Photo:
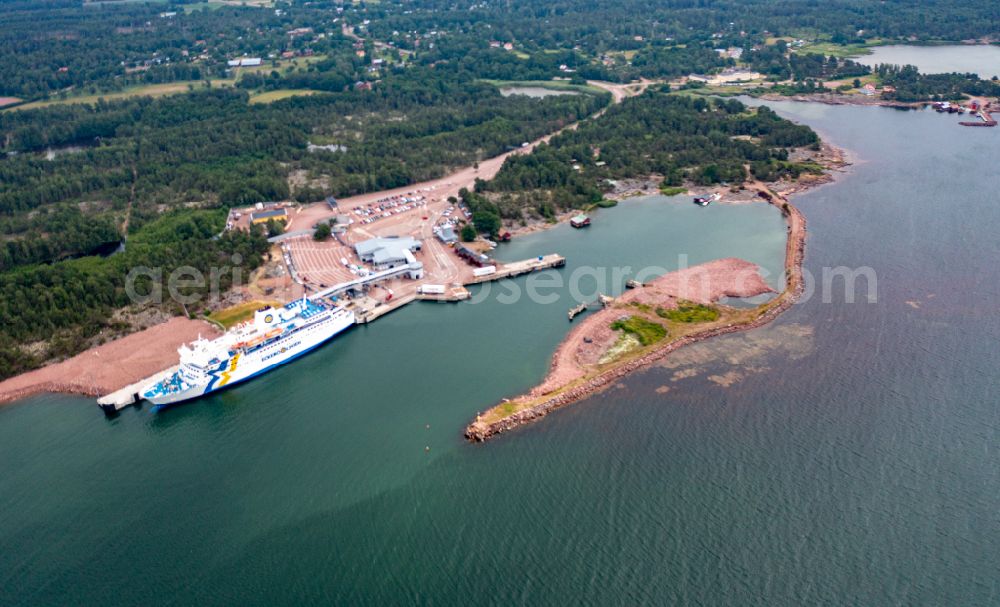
(67, 47)
(682, 138)
(47, 47)
(597, 27)
(911, 85)
(62, 305)
(214, 148)
(777, 63)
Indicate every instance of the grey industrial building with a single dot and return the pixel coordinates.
(389, 252)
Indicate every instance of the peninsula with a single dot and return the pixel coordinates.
(649, 322)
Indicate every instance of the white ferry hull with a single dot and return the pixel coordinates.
(244, 366)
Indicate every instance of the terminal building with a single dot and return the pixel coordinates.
(388, 253)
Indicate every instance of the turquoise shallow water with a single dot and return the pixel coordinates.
(846, 454)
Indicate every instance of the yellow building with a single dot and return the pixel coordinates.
(266, 216)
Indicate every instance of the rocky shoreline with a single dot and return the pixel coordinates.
(479, 431)
(835, 99)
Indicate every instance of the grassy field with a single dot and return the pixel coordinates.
(110, 2)
(869, 79)
(842, 51)
(236, 314)
(272, 96)
(671, 190)
(173, 88)
(713, 91)
(284, 65)
(646, 331)
(150, 90)
(554, 85)
(689, 312)
(215, 4)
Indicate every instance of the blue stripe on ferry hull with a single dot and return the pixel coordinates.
(210, 390)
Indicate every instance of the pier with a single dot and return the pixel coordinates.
(576, 310)
(604, 301)
(986, 119)
(516, 268)
(458, 293)
(369, 310)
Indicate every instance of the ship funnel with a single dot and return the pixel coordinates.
(265, 317)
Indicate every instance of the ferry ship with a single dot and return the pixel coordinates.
(274, 337)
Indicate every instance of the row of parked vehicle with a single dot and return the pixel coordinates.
(389, 206)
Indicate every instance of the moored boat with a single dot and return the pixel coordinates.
(707, 199)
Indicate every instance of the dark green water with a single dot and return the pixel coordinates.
(846, 454)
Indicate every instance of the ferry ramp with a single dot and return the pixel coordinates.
(130, 394)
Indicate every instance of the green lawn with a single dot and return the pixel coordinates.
(689, 312)
(272, 96)
(842, 51)
(236, 314)
(671, 190)
(284, 65)
(646, 331)
(215, 4)
(554, 85)
(149, 90)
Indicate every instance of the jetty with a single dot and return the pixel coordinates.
(130, 394)
(985, 119)
(369, 309)
(516, 268)
(602, 300)
(577, 310)
(457, 293)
